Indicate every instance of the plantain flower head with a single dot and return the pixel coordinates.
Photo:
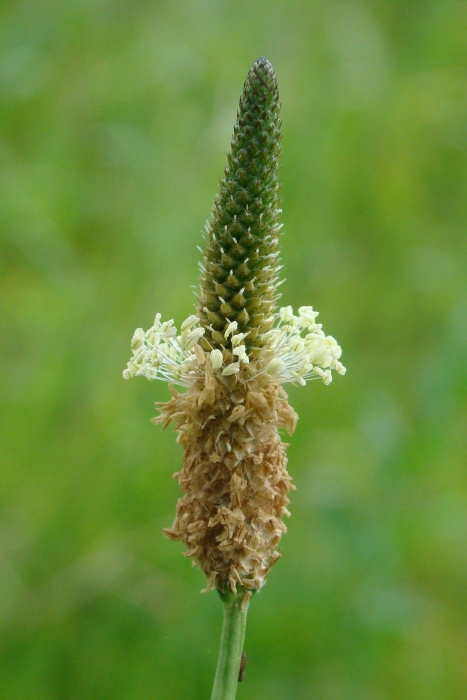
(232, 357)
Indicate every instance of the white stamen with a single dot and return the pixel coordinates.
(216, 359)
(291, 357)
(231, 328)
(188, 322)
(234, 368)
(159, 353)
(294, 350)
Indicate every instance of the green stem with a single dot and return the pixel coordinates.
(230, 653)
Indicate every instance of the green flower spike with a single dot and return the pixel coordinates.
(239, 276)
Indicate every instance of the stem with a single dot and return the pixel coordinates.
(230, 653)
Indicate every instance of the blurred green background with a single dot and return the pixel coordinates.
(115, 120)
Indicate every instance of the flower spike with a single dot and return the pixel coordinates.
(232, 357)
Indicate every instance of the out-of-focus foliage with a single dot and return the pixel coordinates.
(115, 119)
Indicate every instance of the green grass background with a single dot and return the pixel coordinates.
(115, 118)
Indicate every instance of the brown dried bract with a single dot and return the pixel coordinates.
(234, 477)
